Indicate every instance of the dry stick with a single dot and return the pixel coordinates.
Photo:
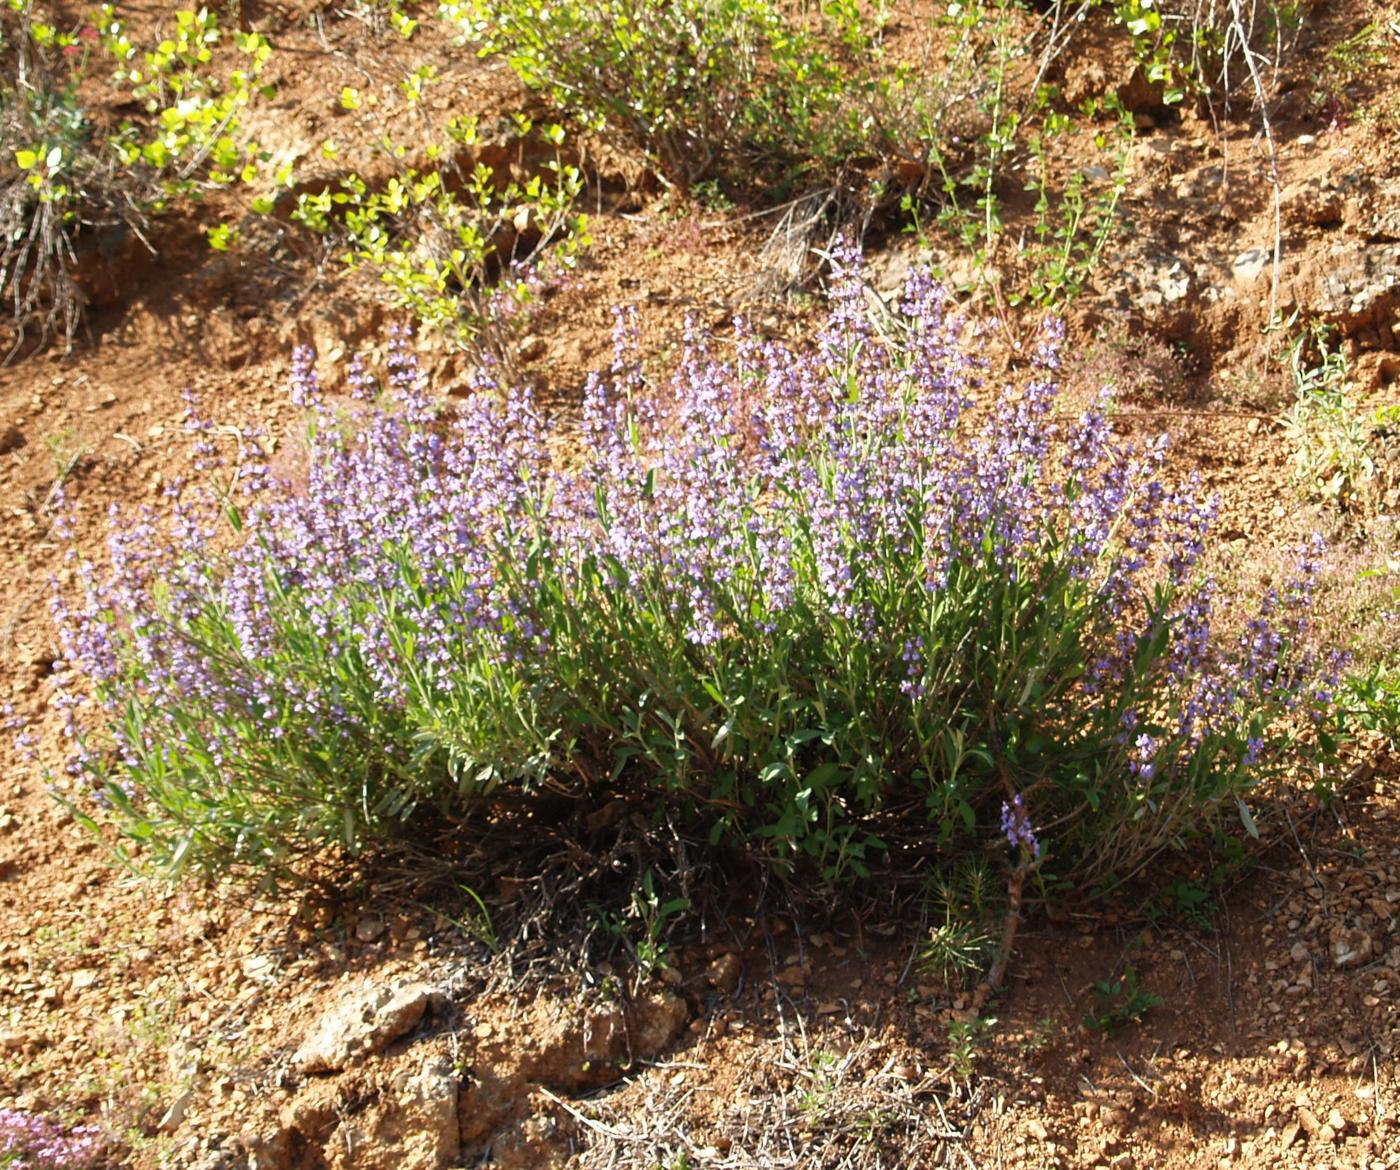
(1142, 1084)
(607, 1131)
(1376, 1089)
(1261, 98)
(1014, 890)
(1229, 969)
(1062, 31)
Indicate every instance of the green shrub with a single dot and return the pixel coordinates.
(48, 171)
(69, 170)
(460, 247)
(1336, 444)
(1049, 261)
(704, 85)
(1372, 697)
(753, 93)
(785, 103)
(1217, 51)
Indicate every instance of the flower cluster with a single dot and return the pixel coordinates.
(31, 1141)
(801, 591)
(1016, 826)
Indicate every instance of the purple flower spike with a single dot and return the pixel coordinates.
(1017, 828)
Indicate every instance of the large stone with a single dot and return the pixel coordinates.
(1318, 201)
(1382, 218)
(1250, 264)
(572, 1052)
(367, 1018)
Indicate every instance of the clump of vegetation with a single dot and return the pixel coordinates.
(815, 106)
(1373, 695)
(461, 245)
(707, 88)
(965, 1035)
(1214, 51)
(1336, 443)
(72, 177)
(808, 600)
(457, 243)
(959, 942)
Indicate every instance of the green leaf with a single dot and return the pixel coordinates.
(1247, 819)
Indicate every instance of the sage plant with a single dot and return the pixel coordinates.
(814, 599)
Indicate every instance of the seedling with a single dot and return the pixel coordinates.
(1120, 1002)
(963, 1037)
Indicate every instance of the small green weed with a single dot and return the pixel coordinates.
(385, 17)
(821, 1083)
(643, 927)
(1344, 66)
(1046, 1033)
(1218, 51)
(1075, 224)
(68, 453)
(473, 919)
(1187, 901)
(1335, 456)
(1120, 1002)
(964, 1035)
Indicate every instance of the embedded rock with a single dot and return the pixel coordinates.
(1351, 947)
(362, 1121)
(1249, 265)
(1319, 201)
(1162, 281)
(1358, 290)
(1381, 221)
(364, 1021)
(574, 1052)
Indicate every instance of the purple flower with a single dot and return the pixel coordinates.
(1016, 826)
(31, 1141)
(1143, 757)
(304, 385)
